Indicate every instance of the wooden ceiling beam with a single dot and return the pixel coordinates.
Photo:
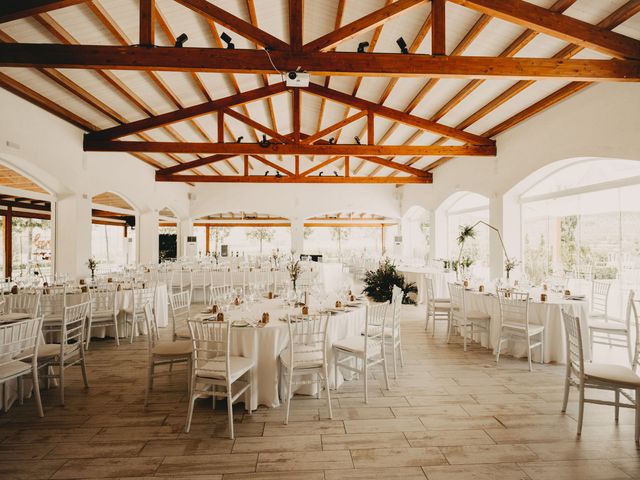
(368, 22)
(296, 20)
(275, 166)
(189, 112)
(256, 125)
(285, 149)
(558, 25)
(286, 179)
(147, 23)
(195, 164)
(438, 32)
(331, 63)
(15, 9)
(397, 115)
(336, 126)
(320, 165)
(241, 27)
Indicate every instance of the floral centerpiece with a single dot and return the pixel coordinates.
(92, 264)
(509, 265)
(379, 283)
(294, 270)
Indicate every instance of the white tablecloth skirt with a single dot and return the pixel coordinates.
(265, 344)
(548, 314)
(439, 277)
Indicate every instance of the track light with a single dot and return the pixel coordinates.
(403, 45)
(278, 174)
(357, 139)
(332, 140)
(266, 173)
(181, 40)
(320, 174)
(362, 46)
(227, 39)
(335, 173)
(239, 139)
(264, 143)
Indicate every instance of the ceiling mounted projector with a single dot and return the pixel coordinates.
(297, 79)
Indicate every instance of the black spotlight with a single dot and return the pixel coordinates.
(403, 45)
(278, 174)
(227, 39)
(332, 140)
(320, 174)
(266, 174)
(264, 143)
(181, 40)
(357, 139)
(335, 173)
(239, 139)
(362, 46)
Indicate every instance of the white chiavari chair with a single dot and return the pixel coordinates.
(28, 303)
(19, 342)
(70, 350)
(597, 376)
(469, 322)
(220, 293)
(437, 308)
(599, 301)
(163, 353)
(52, 304)
(392, 333)
(305, 355)
(215, 372)
(180, 304)
(103, 312)
(134, 314)
(514, 323)
(368, 350)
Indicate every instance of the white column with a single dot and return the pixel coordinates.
(148, 241)
(504, 214)
(297, 235)
(73, 235)
(438, 227)
(185, 229)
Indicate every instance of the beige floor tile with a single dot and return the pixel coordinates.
(97, 449)
(275, 476)
(361, 413)
(439, 410)
(404, 424)
(31, 470)
(363, 440)
(630, 466)
(446, 438)
(396, 457)
(580, 449)
(20, 451)
(108, 467)
(445, 422)
(488, 454)
(574, 469)
(561, 433)
(196, 446)
(397, 473)
(303, 461)
(502, 471)
(304, 428)
(374, 402)
(277, 444)
(208, 464)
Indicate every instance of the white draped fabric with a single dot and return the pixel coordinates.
(440, 280)
(264, 345)
(547, 313)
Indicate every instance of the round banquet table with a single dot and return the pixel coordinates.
(547, 313)
(440, 280)
(264, 345)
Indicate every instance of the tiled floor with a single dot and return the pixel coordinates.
(449, 415)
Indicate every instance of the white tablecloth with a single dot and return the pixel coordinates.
(440, 280)
(265, 344)
(548, 314)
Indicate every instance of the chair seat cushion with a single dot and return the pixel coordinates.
(611, 373)
(311, 359)
(216, 368)
(617, 327)
(173, 349)
(442, 300)
(47, 350)
(476, 315)
(520, 327)
(356, 345)
(14, 368)
(442, 308)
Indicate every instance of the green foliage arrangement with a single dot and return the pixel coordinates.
(379, 283)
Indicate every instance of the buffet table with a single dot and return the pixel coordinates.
(264, 344)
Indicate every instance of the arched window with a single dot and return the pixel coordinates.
(583, 221)
(465, 210)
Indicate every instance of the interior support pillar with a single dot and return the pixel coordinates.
(73, 235)
(297, 235)
(148, 239)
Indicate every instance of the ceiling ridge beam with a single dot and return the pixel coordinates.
(92, 145)
(295, 179)
(241, 27)
(398, 115)
(196, 59)
(558, 25)
(360, 26)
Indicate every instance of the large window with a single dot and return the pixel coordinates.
(30, 246)
(244, 240)
(347, 241)
(416, 236)
(110, 247)
(467, 210)
(583, 222)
